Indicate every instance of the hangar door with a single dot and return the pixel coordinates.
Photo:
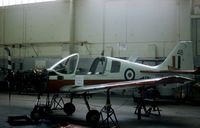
(196, 36)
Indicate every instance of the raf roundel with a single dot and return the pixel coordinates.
(129, 74)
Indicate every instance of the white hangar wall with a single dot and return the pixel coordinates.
(41, 23)
(130, 26)
(121, 28)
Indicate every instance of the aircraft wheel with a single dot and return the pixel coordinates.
(93, 117)
(35, 115)
(69, 108)
(39, 112)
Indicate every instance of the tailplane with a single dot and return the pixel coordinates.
(180, 58)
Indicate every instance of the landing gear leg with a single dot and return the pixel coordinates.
(92, 116)
(107, 113)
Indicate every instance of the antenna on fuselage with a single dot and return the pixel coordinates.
(102, 53)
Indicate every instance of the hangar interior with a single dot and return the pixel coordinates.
(120, 28)
(39, 33)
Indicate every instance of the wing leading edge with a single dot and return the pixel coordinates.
(130, 84)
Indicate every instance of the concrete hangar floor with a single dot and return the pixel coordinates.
(173, 116)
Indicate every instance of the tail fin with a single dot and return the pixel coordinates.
(180, 58)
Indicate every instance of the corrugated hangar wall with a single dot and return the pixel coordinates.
(121, 28)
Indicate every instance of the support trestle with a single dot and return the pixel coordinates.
(40, 110)
(108, 115)
(141, 105)
(57, 102)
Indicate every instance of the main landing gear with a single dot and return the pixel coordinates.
(69, 108)
(57, 103)
(92, 116)
(106, 114)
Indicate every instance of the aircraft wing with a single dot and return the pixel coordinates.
(129, 84)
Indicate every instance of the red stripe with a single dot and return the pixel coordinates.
(55, 85)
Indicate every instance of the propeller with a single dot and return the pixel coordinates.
(9, 79)
(40, 79)
(10, 74)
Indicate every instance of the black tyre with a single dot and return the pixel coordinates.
(35, 115)
(93, 117)
(69, 108)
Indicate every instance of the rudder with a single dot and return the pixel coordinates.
(180, 58)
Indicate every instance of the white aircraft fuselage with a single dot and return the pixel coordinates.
(109, 69)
